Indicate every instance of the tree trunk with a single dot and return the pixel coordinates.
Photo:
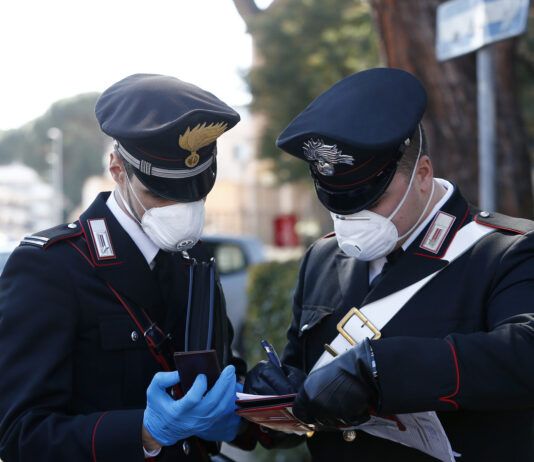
(247, 9)
(407, 33)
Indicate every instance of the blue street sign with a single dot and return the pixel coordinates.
(464, 26)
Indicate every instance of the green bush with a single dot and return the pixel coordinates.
(270, 292)
(270, 295)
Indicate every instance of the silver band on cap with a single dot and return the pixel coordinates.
(148, 169)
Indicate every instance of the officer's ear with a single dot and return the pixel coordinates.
(424, 174)
(116, 168)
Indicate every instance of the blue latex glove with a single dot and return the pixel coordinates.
(169, 421)
(225, 428)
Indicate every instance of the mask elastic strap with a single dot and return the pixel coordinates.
(126, 204)
(407, 233)
(411, 178)
(133, 192)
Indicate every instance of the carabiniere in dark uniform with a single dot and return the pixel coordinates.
(85, 322)
(449, 349)
(461, 345)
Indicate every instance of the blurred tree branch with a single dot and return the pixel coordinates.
(246, 9)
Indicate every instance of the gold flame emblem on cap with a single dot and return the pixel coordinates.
(196, 138)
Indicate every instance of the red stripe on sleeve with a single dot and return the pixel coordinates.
(94, 435)
(448, 398)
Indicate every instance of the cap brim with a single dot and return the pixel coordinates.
(355, 200)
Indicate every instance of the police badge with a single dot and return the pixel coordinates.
(325, 156)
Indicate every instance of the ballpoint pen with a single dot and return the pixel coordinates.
(275, 360)
(271, 353)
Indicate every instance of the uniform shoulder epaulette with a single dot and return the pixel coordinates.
(504, 222)
(50, 236)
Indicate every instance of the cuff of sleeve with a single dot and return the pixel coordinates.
(416, 374)
(118, 433)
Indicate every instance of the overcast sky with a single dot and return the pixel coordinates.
(52, 49)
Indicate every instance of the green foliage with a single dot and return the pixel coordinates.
(83, 143)
(270, 300)
(268, 317)
(303, 47)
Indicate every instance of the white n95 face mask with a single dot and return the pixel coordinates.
(367, 235)
(176, 227)
(173, 228)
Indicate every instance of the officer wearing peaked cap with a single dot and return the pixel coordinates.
(418, 302)
(91, 312)
(166, 130)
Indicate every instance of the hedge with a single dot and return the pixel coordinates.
(270, 294)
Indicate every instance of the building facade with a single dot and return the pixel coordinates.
(26, 202)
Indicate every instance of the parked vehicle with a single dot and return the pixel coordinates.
(234, 256)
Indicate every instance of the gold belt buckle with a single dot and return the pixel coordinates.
(341, 329)
(365, 322)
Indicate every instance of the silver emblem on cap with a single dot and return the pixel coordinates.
(325, 156)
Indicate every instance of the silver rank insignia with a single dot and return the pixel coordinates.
(325, 156)
(437, 233)
(101, 239)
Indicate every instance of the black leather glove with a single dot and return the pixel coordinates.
(267, 379)
(340, 393)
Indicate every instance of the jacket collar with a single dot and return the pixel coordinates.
(419, 259)
(126, 269)
(134, 230)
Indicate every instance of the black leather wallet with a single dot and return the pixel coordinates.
(191, 363)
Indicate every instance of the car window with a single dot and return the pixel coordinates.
(230, 258)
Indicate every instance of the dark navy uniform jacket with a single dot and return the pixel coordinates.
(462, 346)
(74, 366)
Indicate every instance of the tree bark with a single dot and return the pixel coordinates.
(248, 9)
(407, 32)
